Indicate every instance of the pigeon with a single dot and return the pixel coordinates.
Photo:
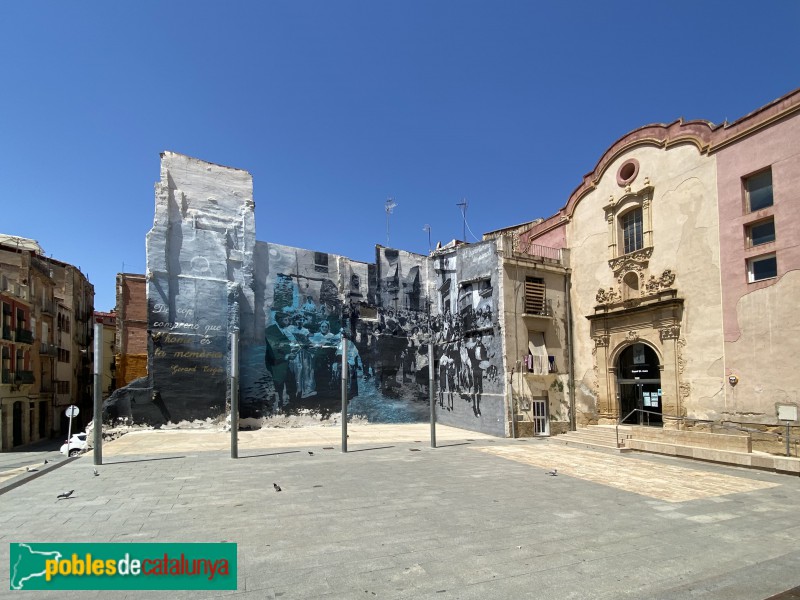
(65, 495)
(554, 472)
(46, 461)
(310, 453)
(29, 470)
(277, 487)
(96, 473)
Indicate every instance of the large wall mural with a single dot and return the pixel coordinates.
(388, 312)
(293, 307)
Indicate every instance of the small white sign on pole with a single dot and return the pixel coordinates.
(787, 412)
(72, 411)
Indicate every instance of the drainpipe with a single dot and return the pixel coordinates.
(570, 353)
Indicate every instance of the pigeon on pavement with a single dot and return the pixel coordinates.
(65, 495)
(277, 487)
(96, 474)
(310, 453)
(554, 472)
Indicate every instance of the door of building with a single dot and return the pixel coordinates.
(17, 438)
(639, 386)
(540, 422)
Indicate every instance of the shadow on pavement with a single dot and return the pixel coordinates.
(366, 449)
(271, 454)
(136, 460)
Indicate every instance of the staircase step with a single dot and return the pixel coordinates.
(599, 438)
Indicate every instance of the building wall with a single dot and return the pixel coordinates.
(74, 299)
(208, 277)
(758, 344)
(536, 374)
(131, 335)
(108, 321)
(200, 265)
(678, 316)
(33, 294)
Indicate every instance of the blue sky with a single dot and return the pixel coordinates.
(334, 106)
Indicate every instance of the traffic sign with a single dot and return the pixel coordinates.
(72, 411)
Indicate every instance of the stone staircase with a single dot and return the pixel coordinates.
(596, 437)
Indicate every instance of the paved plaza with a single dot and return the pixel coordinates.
(476, 518)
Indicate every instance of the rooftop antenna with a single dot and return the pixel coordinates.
(463, 205)
(427, 228)
(390, 205)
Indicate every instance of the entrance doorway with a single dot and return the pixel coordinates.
(639, 386)
(541, 425)
(17, 432)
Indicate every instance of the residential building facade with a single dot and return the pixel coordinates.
(42, 334)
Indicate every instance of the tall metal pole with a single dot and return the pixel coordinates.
(235, 393)
(788, 436)
(432, 391)
(97, 434)
(344, 394)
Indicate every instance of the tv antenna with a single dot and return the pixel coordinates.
(390, 205)
(427, 228)
(463, 204)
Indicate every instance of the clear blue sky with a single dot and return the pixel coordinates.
(334, 106)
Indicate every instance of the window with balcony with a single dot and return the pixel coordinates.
(760, 268)
(758, 191)
(759, 233)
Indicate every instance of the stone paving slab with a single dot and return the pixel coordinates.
(672, 484)
(467, 520)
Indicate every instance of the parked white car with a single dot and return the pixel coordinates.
(78, 444)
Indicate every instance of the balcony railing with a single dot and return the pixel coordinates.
(24, 377)
(545, 253)
(24, 336)
(48, 349)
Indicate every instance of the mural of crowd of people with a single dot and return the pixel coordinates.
(299, 365)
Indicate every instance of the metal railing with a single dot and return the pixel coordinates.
(24, 377)
(48, 349)
(24, 336)
(536, 250)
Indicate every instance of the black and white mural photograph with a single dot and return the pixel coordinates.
(388, 313)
